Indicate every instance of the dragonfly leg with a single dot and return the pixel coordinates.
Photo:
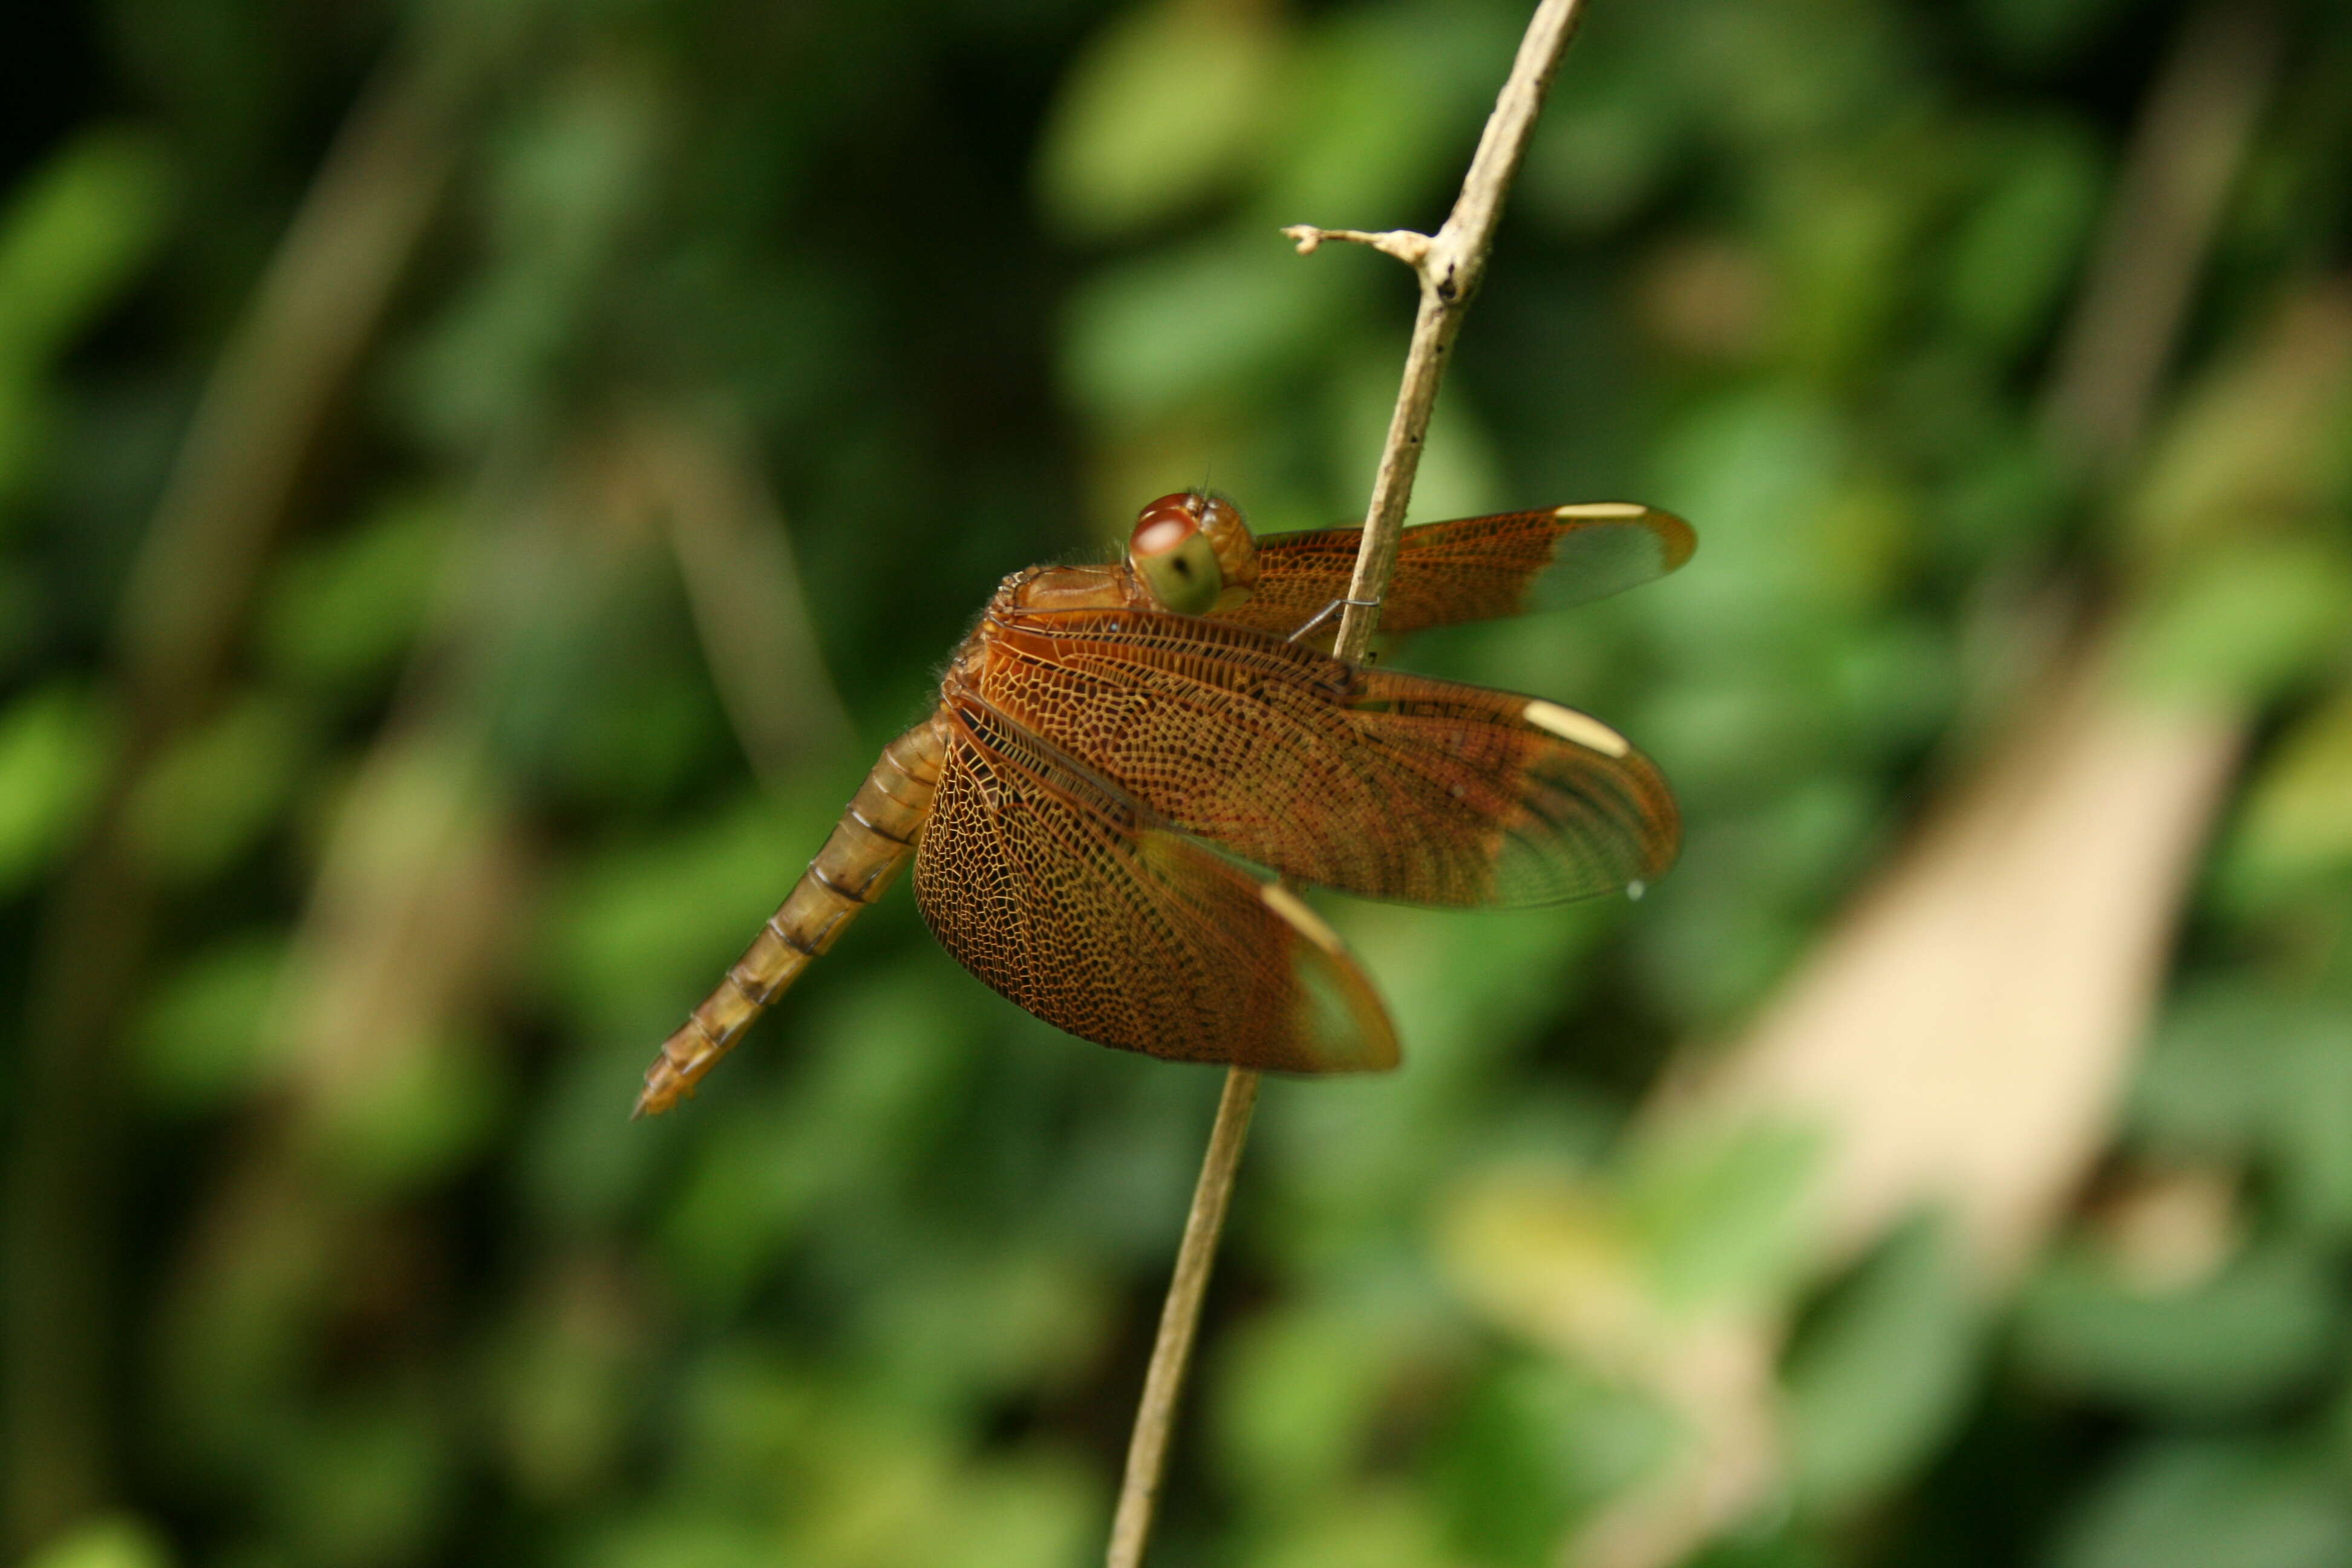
(1328, 611)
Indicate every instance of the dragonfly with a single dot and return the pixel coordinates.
(1122, 753)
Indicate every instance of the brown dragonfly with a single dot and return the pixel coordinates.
(1118, 749)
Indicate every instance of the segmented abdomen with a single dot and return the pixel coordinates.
(875, 838)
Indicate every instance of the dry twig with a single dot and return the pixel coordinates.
(1450, 265)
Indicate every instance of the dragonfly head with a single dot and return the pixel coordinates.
(1193, 552)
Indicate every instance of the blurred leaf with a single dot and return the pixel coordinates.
(565, 1376)
(112, 1543)
(1883, 1370)
(2015, 253)
(1216, 320)
(208, 799)
(1840, 242)
(202, 1040)
(1760, 469)
(2258, 1331)
(1794, 80)
(1738, 733)
(422, 1109)
(2297, 817)
(2255, 1070)
(873, 1066)
(1720, 1216)
(1868, 534)
(1608, 137)
(1384, 102)
(2197, 1503)
(2258, 449)
(1536, 1250)
(1166, 106)
(1539, 1444)
(71, 237)
(1037, 1508)
(341, 610)
(2311, 1124)
(54, 744)
(683, 1536)
(2246, 623)
(571, 172)
(2045, 33)
(366, 1486)
(2012, 496)
(1784, 1548)
(642, 929)
(859, 1485)
(1384, 1527)
(1002, 1323)
(2206, 1086)
(1296, 1398)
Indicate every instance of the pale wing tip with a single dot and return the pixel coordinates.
(1302, 918)
(1577, 728)
(1676, 540)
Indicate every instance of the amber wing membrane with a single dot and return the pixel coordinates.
(1471, 569)
(1073, 899)
(1375, 782)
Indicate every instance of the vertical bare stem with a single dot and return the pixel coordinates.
(1450, 265)
(1146, 1452)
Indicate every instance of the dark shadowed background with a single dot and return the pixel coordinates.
(480, 481)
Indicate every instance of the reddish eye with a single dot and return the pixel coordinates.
(1156, 536)
(1193, 552)
(1166, 522)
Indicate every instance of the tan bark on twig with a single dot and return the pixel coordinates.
(1180, 1316)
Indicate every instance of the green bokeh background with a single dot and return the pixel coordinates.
(740, 348)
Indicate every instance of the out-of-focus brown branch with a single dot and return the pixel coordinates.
(317, 308)
(1450, 265)
(742, 585)
(182, 612)
(2185, 155)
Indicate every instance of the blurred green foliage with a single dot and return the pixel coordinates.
(473, 816)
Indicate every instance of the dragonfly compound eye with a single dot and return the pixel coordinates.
(1175, 559)
(1194, 553)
